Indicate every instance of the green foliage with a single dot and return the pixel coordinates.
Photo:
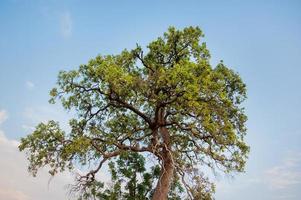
(168, 100)
(130, 181)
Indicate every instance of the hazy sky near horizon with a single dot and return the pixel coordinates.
(261, 40)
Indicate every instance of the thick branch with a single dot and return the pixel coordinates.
(132, 108)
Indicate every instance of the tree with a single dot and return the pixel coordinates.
(167, 102)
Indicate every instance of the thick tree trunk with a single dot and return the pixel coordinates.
(165, 179)
(167, 170)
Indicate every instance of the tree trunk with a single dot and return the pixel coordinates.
(163, 185)
(166, 175)
(167, 169)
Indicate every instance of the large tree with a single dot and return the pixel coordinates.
(167, 103)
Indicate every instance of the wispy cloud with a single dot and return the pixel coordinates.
(66, 24)
(3, 116)
(29, 85)
(3, 139)
(35, 114)
(280, 181)
(10, 194)
(286, 174)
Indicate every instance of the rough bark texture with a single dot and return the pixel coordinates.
(166, 175)
(163, 185)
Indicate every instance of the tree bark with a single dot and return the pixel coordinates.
(166, 175)
(163, 185)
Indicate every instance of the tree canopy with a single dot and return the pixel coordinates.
(166, 103)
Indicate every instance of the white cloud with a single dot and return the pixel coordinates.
(36, 114)
(29, 85)
(9, 194)
(280, 181)
(3, 139)
(66, 24)
(3, 116)
(286, 174)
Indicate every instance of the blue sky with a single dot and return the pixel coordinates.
(258, 39)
